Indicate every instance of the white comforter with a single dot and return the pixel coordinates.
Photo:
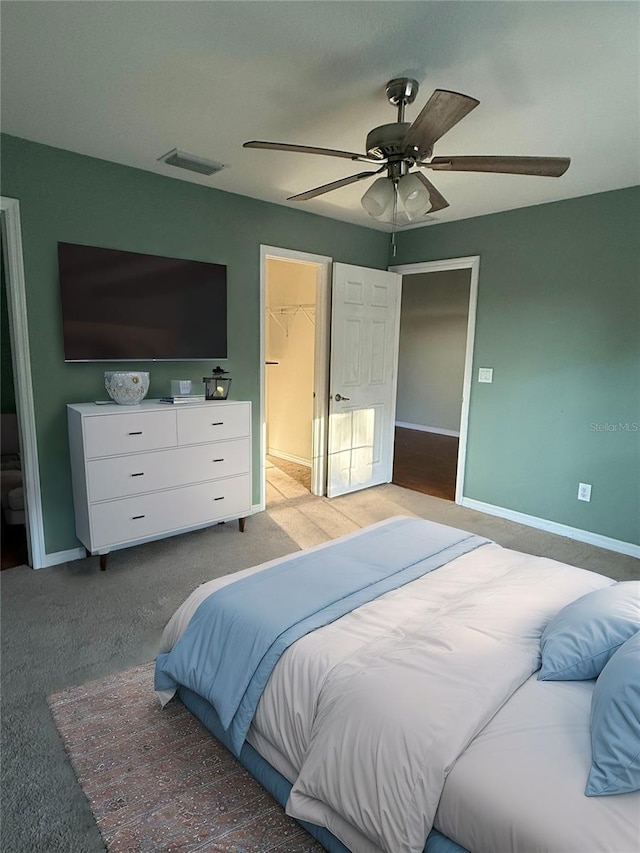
(519, 786)
(366, 716)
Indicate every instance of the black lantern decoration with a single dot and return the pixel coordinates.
(216, 387)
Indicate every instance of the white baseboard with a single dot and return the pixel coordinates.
(289, 457)
(422, 428)
(555, 527)
(58, 557)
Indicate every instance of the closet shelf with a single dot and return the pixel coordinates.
(282, 313)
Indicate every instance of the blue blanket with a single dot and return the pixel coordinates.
(239, 632)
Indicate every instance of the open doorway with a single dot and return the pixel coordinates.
(290, 305)
(14, 285)
(437, 323)
(295, 293)
(13, 540)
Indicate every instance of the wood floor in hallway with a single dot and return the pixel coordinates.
(426, 462)
(14, 545)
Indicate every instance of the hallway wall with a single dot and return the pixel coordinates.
(433, 337)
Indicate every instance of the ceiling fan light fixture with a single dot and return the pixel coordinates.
(413, 196)
(379, 198)
(399, 146)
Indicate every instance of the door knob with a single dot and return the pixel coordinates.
(339, 397)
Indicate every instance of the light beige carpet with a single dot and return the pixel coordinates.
(310, 520)
(276, 468)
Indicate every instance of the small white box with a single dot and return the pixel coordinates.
(180, 386)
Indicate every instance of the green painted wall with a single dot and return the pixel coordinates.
(559, 321)
(69, 197)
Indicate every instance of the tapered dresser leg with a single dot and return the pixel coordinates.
(241, 522)
(103, 562)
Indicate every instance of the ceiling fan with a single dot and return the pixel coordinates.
(400, 146)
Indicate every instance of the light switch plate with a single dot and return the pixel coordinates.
(485, 374)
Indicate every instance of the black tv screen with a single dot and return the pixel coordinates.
(126, 306)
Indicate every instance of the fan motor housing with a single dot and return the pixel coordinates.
(402, 90)
(387, 140)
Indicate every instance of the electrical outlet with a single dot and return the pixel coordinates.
(584, 491)
(485, 374)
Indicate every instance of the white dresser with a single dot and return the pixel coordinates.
(153, 470)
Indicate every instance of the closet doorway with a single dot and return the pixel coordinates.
(295, 290)
(437, 326)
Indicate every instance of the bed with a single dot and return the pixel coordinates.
(384, 688)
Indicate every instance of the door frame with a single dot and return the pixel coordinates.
(321, 363)
(471, 263)
(23, 383)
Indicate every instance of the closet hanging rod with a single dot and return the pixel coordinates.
(293, 309)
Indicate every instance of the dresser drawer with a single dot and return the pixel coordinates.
(142, 516)
(109, 435)
(147, 472)
(212, 423)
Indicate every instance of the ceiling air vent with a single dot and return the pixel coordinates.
(190, 162)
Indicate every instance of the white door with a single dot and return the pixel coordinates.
(365, 326)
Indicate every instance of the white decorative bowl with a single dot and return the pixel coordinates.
(126, 388)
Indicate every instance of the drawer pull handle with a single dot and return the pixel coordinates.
(219, 499)
(135, 517)
(141, 474)
(218, 423)
(218, 460)
(136, 433)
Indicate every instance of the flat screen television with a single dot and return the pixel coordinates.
(126, 306)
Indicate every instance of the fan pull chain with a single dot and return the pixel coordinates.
(394, 248)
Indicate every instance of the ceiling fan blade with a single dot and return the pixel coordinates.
(334, 185)
(441, 112)
(550, 167)
(438, 201)
(308, 149)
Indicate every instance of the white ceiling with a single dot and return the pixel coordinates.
(127, 81)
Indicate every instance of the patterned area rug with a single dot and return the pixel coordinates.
(156, 780)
